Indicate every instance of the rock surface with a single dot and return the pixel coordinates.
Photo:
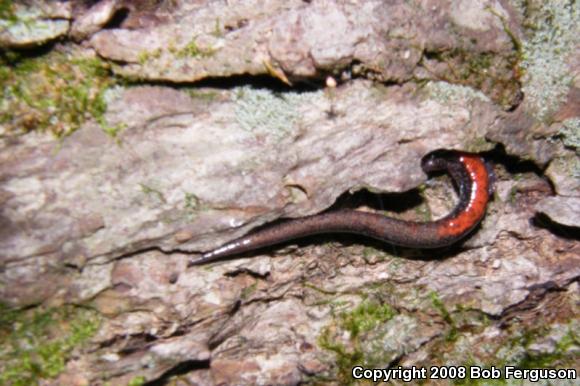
(563, 210)
(29, 26)
(390, 42)
(109, 222)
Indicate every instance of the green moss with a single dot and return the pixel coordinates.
(346, 358)
(479, 144)
(112, 131)
(137, 381)
(56, 93)
(516, 352)
(513, 195)
(217, 30)
(319, 289)
(488, 72)
(193, 205)
(365, 317)
(530, 360)
(7, 11)
(192, 50)
(371, 254)
(423, 212)
(478, 63)
(359, 324)
(36, 344)
(204, 95)
(247, 291)
(515, 41)
(439, 306)
(470, 316)
(192, 202)
(145, 56)
(148, 190)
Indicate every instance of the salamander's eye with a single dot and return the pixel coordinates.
(428, 164)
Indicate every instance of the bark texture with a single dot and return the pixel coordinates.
(222, 123)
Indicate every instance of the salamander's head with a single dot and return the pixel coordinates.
(436, 161)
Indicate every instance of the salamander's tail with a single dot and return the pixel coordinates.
(205, 258)
(232, 248)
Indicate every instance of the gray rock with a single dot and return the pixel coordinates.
(291, 40)
(248, 157)
(563, 210)
(30, 26)
(93, 19)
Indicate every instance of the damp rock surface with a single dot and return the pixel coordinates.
(23, 26)
(563, 210)
(216, 122)
(392, 42)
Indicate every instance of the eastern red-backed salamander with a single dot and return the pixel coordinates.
(472, 176)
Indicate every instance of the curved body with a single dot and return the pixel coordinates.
(471, 174)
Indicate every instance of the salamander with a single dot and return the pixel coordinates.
(473, 178)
